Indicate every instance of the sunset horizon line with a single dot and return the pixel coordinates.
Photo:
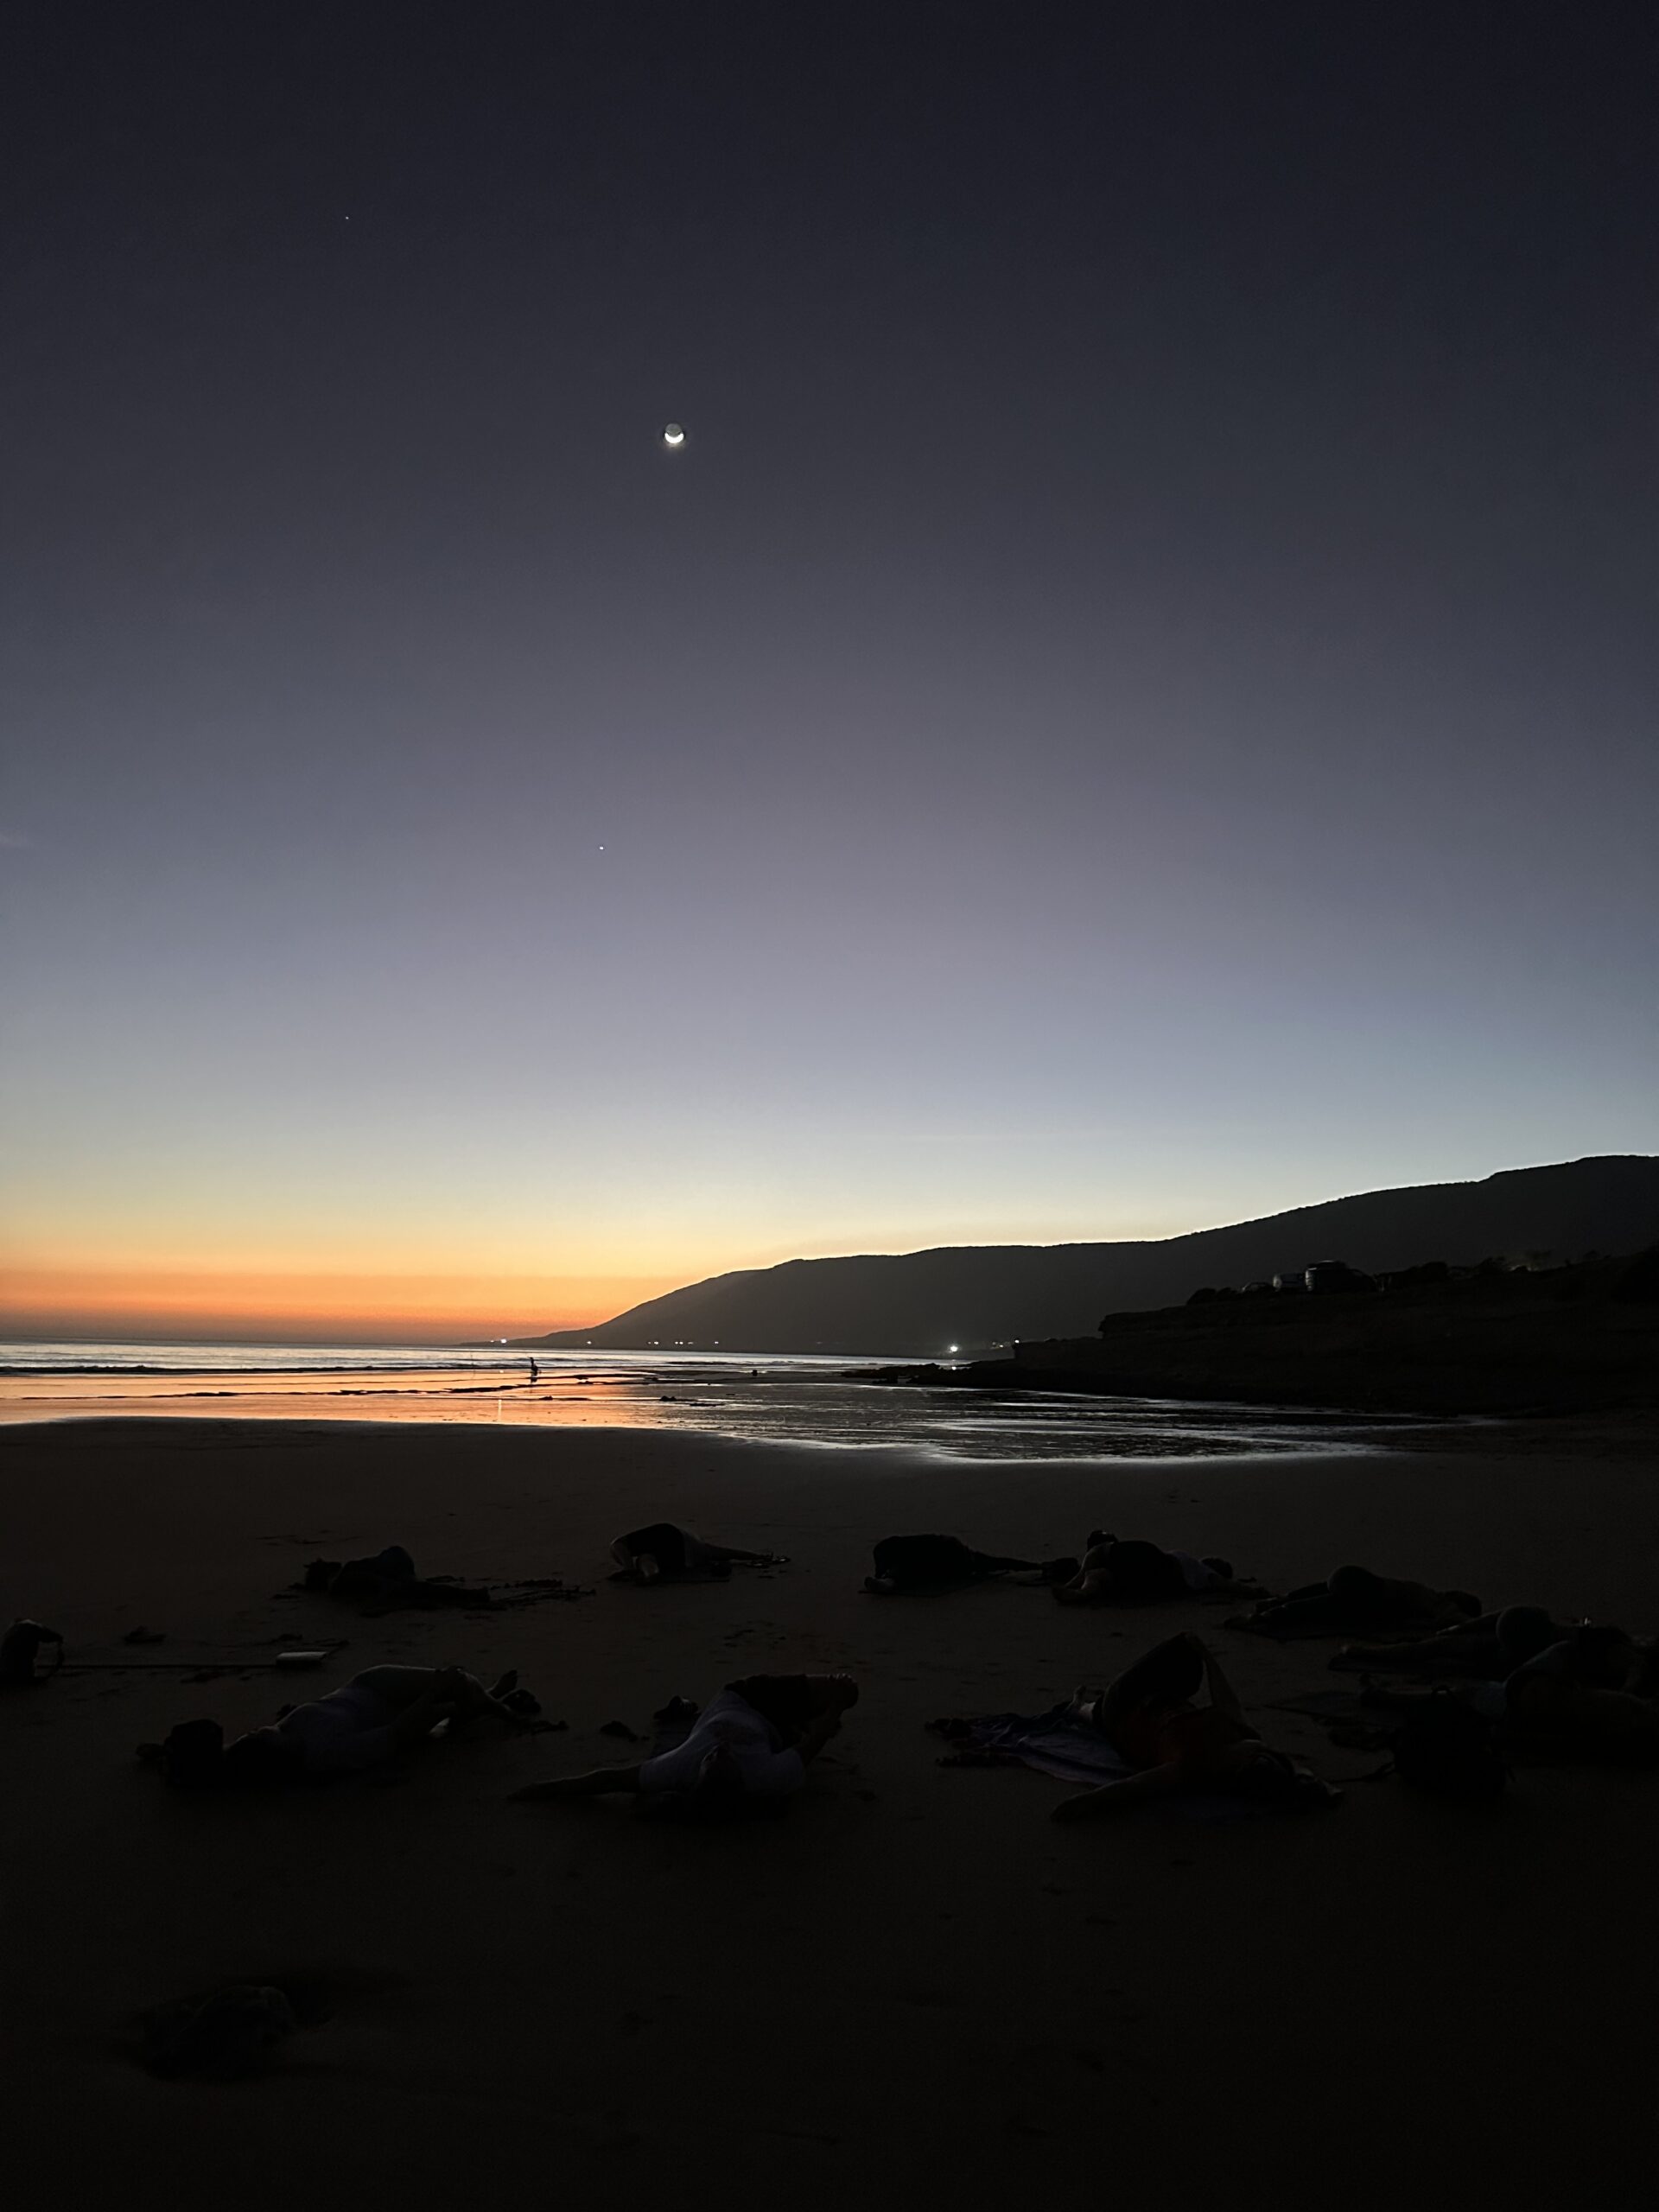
(182, 1305)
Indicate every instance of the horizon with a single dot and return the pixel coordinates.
(1128, 708)
(325, 1326)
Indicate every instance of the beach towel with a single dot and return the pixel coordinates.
(1053, 1742)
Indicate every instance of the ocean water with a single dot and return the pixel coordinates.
(753, 1397)
(100, 1357)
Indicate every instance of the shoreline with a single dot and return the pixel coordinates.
(783, 1409)
(1623, 1434)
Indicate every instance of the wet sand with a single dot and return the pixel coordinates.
(915, 1987)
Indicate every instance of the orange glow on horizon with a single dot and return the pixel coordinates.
(308, 1307)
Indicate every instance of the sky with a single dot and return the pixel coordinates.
(1132, 708)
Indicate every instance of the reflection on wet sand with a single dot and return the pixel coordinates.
(781, 1405)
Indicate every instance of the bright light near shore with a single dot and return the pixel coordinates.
(953, 1347)
(674, 435)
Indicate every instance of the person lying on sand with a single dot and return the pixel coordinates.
(1587, 1692)
(377, 1714)
(1589, 1695)
(1355, 1602)
(754, 1741)
(946, 1563)
(1488, 1649)
(663, 1553)
(1134, 1572)
(1176, 1747)
(20, 1650)
(387, 1583)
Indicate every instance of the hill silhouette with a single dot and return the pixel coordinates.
(1561, 1340)
(975, 1297)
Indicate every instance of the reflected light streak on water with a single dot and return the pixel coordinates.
(758, 1398)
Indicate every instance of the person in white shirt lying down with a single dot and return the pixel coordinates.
(755, 1740)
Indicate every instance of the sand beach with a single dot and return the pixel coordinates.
(915, 1985)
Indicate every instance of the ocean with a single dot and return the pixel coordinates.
(757, 1397)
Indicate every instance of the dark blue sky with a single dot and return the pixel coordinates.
(1132, 707)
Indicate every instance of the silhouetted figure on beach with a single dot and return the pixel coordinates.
(1488, 1647)
(19, 1650)
(1593, 1692)
(1135, 1572)
(1174, 1746)
(379, 1713)
(933, 1562)
(663, 1552)
(388, 1583)
(1355, 1602)
(1590, 1695)
(749, 1750)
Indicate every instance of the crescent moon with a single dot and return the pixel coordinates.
(674, 435)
